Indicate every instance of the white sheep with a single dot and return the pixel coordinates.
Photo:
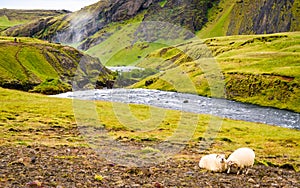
(242, 159)
(213, 162)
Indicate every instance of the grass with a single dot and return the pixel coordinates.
(5, 22)
(122, 31)
(219, 18)
(163, 3)
(259, 69)
(13, 17)
(25, 60)
(33, 60)
(125, 44)
(28, 62)
(32, 119)
(132, 55)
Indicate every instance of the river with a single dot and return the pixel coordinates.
(193, 103)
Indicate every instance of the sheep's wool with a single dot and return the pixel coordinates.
(242, 158)
(213, 162)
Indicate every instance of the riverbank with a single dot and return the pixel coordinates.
(194, 104)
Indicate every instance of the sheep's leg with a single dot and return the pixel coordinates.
(246, 171)
(238, 172)
(228, 171)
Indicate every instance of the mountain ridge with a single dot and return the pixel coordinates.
(193, 15)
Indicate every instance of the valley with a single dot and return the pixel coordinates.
(201, 77)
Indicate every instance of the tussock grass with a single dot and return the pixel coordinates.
(32, 119)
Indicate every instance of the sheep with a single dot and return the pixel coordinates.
(213, 162)
(242, 158)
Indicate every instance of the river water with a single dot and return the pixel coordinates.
(193, 103)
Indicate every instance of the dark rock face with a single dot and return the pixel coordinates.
(190, 14)
(259, 17)
(274, 16)
(124, 9)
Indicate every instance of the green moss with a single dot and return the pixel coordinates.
(98, 177)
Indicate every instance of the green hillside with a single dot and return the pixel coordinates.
(25, 63)
(13, 17)
(259, 69)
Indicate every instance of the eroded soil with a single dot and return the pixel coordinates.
(65, 166)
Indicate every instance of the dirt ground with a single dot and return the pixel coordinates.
(65, 166)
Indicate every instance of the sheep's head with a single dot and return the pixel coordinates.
(232, 164)
(221, 158)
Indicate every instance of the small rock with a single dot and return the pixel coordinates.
(280, 172)
(189, 173)
(33, 160)
(158, 185)
(274, 185)
(251, 180)
(136, 185)
(34, 184)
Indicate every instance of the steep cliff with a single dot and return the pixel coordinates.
(96, 23)
(78, 26)
(240, 17)
(261, 16)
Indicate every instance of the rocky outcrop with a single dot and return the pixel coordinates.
(190, 14)
(120, 10)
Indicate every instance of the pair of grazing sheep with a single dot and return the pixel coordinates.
(241, 159)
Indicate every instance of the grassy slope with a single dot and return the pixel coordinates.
(118, 48)
(260, 69)
(118, 32)
(12, 17)
(218, 20)
(30, 56)
(5, 22)
(32, 61)
(31, 119)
